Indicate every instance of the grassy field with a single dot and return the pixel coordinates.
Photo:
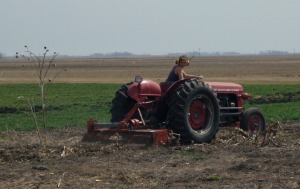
(277, 102)
(84, 87)
(73, 104)
(67, 104)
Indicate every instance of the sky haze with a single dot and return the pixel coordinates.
(76, 27)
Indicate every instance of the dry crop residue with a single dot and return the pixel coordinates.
(231, 161)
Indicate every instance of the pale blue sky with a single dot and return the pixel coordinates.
(85, 27)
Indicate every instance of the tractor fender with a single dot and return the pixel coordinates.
(172, 89)
(144, 91)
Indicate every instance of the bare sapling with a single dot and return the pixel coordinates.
(42, 65)
(33, 113)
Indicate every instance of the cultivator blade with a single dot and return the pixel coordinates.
(116, 133)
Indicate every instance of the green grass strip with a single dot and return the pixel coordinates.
(73, 104)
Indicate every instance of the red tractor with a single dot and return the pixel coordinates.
(144, 111)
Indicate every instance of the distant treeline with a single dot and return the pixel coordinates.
(194, 53)
(114, 54)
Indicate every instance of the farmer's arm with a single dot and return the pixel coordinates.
(189, 76)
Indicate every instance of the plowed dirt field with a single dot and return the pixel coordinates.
(230, 161)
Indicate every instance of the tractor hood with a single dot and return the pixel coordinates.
(223, 87)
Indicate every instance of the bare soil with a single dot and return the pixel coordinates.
(239, 69)
(230, 161)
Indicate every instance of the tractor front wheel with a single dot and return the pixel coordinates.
(253, 120)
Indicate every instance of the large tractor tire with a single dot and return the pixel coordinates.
(194, 112)
(121, 104)
(253, 120)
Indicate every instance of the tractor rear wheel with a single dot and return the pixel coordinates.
(253, 120)
(121, 104)
(194, 112)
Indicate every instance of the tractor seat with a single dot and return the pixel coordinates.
(166, 83)
(165, 86)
